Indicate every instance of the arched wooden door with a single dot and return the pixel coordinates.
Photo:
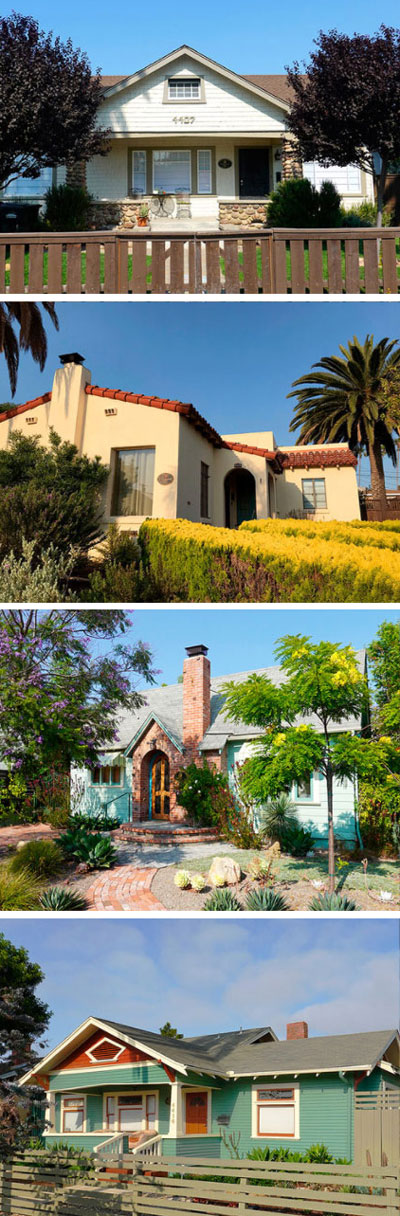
(159, 787)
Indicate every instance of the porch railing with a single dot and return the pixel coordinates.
(287, 261)
(150, 1148)
(113, 1144)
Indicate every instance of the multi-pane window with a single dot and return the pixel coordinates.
(139, 183)
(314, 493)
(29, 187)
(276, 1111)
(204, 480)
(180, 89)
(107, 774)
(172, 170)
(204, 176)
(131, 1112)
(133, 482)
(73, 1117)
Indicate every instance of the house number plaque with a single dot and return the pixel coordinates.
(165, 479)
(225, 163)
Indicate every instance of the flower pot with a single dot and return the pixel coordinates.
(142, 221)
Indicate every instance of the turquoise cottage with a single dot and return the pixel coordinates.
(118, 1087)
(187, 721)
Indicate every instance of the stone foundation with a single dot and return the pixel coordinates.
(118, 215)
(242, 215)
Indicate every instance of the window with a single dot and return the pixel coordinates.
(184, 90)
(275, 1111)
(133, 482)
(314, 494)
(172, 171)
(346, 178)
(304, 789)
(139, 175)
(73, 1113)
(29, 187)
(204, 480)
(150, 1112)
(204, 176)
(132, 1112)
(108, 775)
(110, 1113)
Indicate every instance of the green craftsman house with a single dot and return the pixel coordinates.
(115, 1087)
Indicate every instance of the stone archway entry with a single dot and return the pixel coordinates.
(159, 787)
(240, 497)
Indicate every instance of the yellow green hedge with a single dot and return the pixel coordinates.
(354, 533)
(195, 563)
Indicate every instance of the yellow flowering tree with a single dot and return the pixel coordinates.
(323, 683)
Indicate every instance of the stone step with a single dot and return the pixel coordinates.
(166, 835)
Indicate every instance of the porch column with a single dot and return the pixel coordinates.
(291, 160)
(175, 1118)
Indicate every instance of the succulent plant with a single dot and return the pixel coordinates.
(182, 879)
(332, 903)
(222, 901)
(198, 882)
(60, 899)
(266, 900)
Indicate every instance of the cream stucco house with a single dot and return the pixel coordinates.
(214, 141)
(166, 460)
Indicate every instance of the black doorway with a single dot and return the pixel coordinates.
(253, 172)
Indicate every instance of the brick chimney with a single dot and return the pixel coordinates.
(196, 695)
(297, 1030)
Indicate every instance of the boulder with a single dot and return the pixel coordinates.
(226, 869)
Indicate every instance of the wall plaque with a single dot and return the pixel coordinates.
(165, 479)
(225, 163)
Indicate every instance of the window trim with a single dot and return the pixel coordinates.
(108, 784)
(80, 1101)
(313, 480)
(110, 1059)
(304, 797)
(256, 1103)
(179, 101)
(114, 469)
(173, 149)
(116, 1095)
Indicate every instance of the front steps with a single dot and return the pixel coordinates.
(165, 833)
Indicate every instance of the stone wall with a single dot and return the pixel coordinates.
(118, 215)
(242, 215)
(291, 160)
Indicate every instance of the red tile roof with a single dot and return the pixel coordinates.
(253, 451)
(160, 403)
(318, 458)
(23, 409)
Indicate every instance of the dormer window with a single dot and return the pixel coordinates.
(184, 89)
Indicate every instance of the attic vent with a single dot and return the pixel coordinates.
(105, 1050)
(31, 421)
(110, 413)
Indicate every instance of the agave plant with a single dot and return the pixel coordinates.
(60, 899)
(332, 903)
(222, 900)
(265, 900)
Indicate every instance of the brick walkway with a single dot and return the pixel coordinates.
(11, 836)
(123, 889)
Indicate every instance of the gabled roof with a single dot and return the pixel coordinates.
(239, 1053)
(165, 705)
(250, 83)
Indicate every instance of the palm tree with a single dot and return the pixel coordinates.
(342, 403)
(31, 337)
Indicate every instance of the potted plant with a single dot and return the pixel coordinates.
(143, 217)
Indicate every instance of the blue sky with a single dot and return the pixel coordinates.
(235, 361)
(241, 639)
(262, 38)
(339, 976)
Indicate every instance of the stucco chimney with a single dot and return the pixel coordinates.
(297, 1030)
(196, 695)
(69, 400)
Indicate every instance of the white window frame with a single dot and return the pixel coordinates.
(135, 190)
(256, 1103)
(184, 80)
(305, 797)
(80, 1100)
(195, 1089)
(109, 1059)
(314, 510)
(171, 150)
(204, 193)
(117, 1094)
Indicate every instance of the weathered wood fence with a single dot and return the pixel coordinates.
(296, 261)
(377, 1127)
(175, 1185)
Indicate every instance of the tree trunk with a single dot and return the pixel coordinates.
(331, 840)
(380, 189)
(378, 486)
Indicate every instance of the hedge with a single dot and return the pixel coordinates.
(188, 562)
(354, 533)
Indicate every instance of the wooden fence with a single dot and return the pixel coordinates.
(330, 261)
(377, 1127)
(175, 1185)
(31, 1182)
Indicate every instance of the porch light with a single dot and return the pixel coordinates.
(278, 154)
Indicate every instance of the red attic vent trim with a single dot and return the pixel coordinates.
(29, 405)
(333, 458)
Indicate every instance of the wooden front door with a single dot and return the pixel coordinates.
(196, 1114)
(253, 172)
(159, 789)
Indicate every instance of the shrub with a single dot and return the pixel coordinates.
(97, 853)
(67, 208)
(201, 789)
(182, 880)
(379, 811)
(286, 560)
(332, 903)
(365, 215)
(98, 822)
(222, 901)
(18, 892)
(13, 801)
(40, 580)
(265, 900)
(297, 840)
(320, 1154)
(119, 578)
(277, 816)
(43, 858)
(297, 204)
(59, 899)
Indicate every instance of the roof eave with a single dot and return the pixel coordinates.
(155, 66)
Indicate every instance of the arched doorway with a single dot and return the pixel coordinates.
(240, 497)
(159, 786)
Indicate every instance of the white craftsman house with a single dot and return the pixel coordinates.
(211, 143)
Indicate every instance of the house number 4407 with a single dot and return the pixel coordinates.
(184, 119)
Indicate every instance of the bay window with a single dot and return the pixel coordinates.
(133, 482)
(172, 171)
(275, 1112)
